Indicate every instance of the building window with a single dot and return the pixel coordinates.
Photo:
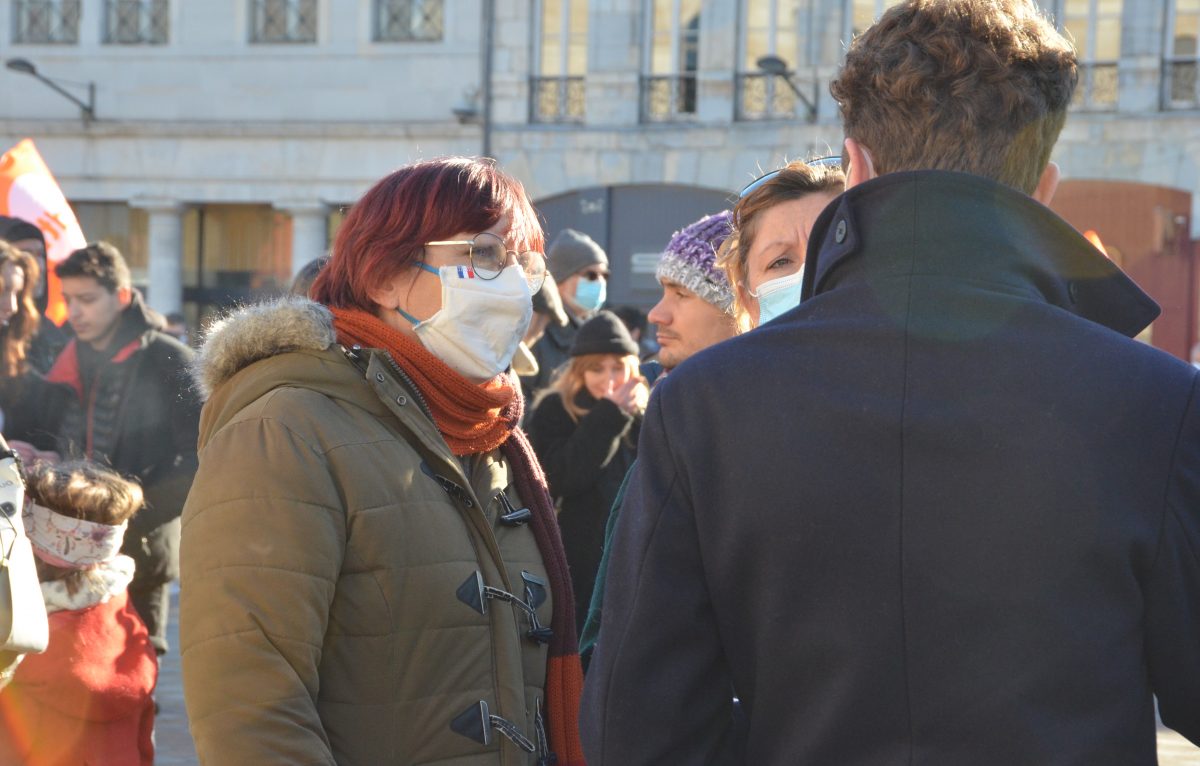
(125, 227)
(560, 50)
(769, 28)
(671, 59)
(134, 22)
(233, 254)
(1094, 26)
(1180, 63)
(284, 21)
(46, 22)
(408, 20)
(860, 14)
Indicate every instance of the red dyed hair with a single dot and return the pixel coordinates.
(387, 229)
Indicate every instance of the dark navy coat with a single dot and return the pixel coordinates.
(946, 512)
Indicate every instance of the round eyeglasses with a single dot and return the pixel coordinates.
(489, 255)
(820, 162)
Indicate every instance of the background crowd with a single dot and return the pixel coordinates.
(378, 565)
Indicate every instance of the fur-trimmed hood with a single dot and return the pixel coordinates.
(288, 343)
(252, 333)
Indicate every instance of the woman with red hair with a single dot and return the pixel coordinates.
(372, 573)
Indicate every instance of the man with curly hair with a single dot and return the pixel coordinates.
(946, 512)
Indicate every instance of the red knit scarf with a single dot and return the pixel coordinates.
(469, 415)
(479, 418)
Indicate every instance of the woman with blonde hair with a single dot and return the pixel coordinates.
(584, 429)
(764, 256)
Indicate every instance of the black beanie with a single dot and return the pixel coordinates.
(604, 333)
(16, 229)
(571, 252)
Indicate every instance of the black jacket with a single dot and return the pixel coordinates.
(32, 410)
(137, 413)
(551, 352)
(944, 512)
(585, 463)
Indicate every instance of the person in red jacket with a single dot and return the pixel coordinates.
(87, 699)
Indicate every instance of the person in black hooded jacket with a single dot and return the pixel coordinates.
(584, 430)
(131, 407)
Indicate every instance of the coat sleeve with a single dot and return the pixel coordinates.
(574, 454)
(658, 688)
(1173, 588)
(167, 483)
(591, 626)
(264, 537)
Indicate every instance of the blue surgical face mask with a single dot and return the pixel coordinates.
(778, 296)
(590, 293)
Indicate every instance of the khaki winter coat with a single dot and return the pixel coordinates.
(320, 619)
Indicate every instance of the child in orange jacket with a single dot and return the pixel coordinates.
(87, 698)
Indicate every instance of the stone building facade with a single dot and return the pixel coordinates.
(228, 135)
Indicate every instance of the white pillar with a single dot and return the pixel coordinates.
(310, 227)
(164, 237)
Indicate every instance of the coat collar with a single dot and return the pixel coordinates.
(956, 225)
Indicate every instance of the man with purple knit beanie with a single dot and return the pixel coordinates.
(695, 312)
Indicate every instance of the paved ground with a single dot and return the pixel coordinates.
(172, 739)
(175, 743)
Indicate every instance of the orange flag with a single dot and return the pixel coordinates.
(28, 191)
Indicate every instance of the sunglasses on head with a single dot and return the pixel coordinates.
(820, 162)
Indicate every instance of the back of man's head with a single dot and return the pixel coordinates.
(976, 86)
(99, 260)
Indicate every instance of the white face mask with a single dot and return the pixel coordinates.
(481, 321)
(778, 296)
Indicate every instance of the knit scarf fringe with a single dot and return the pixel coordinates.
(479, 418)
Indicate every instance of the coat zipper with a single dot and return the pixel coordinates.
(416, 392)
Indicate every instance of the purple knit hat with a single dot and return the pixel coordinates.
(691, 259)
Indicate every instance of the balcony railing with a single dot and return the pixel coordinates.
(1097, 89)
(46, 22)
(284, 21)
(408, 20)
(1180, 84)
(136, 22)
(556, 99)
(762, 96)
(668, 98)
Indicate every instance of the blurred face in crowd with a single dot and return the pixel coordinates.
(586, 278)
(779, 244)
(606, 373)
(93, 310)
(687, 323)
(35, 248)
(12, 283)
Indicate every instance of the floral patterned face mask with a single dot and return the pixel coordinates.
(68, 542)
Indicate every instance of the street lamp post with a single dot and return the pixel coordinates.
(772, 64)
(25, 66)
